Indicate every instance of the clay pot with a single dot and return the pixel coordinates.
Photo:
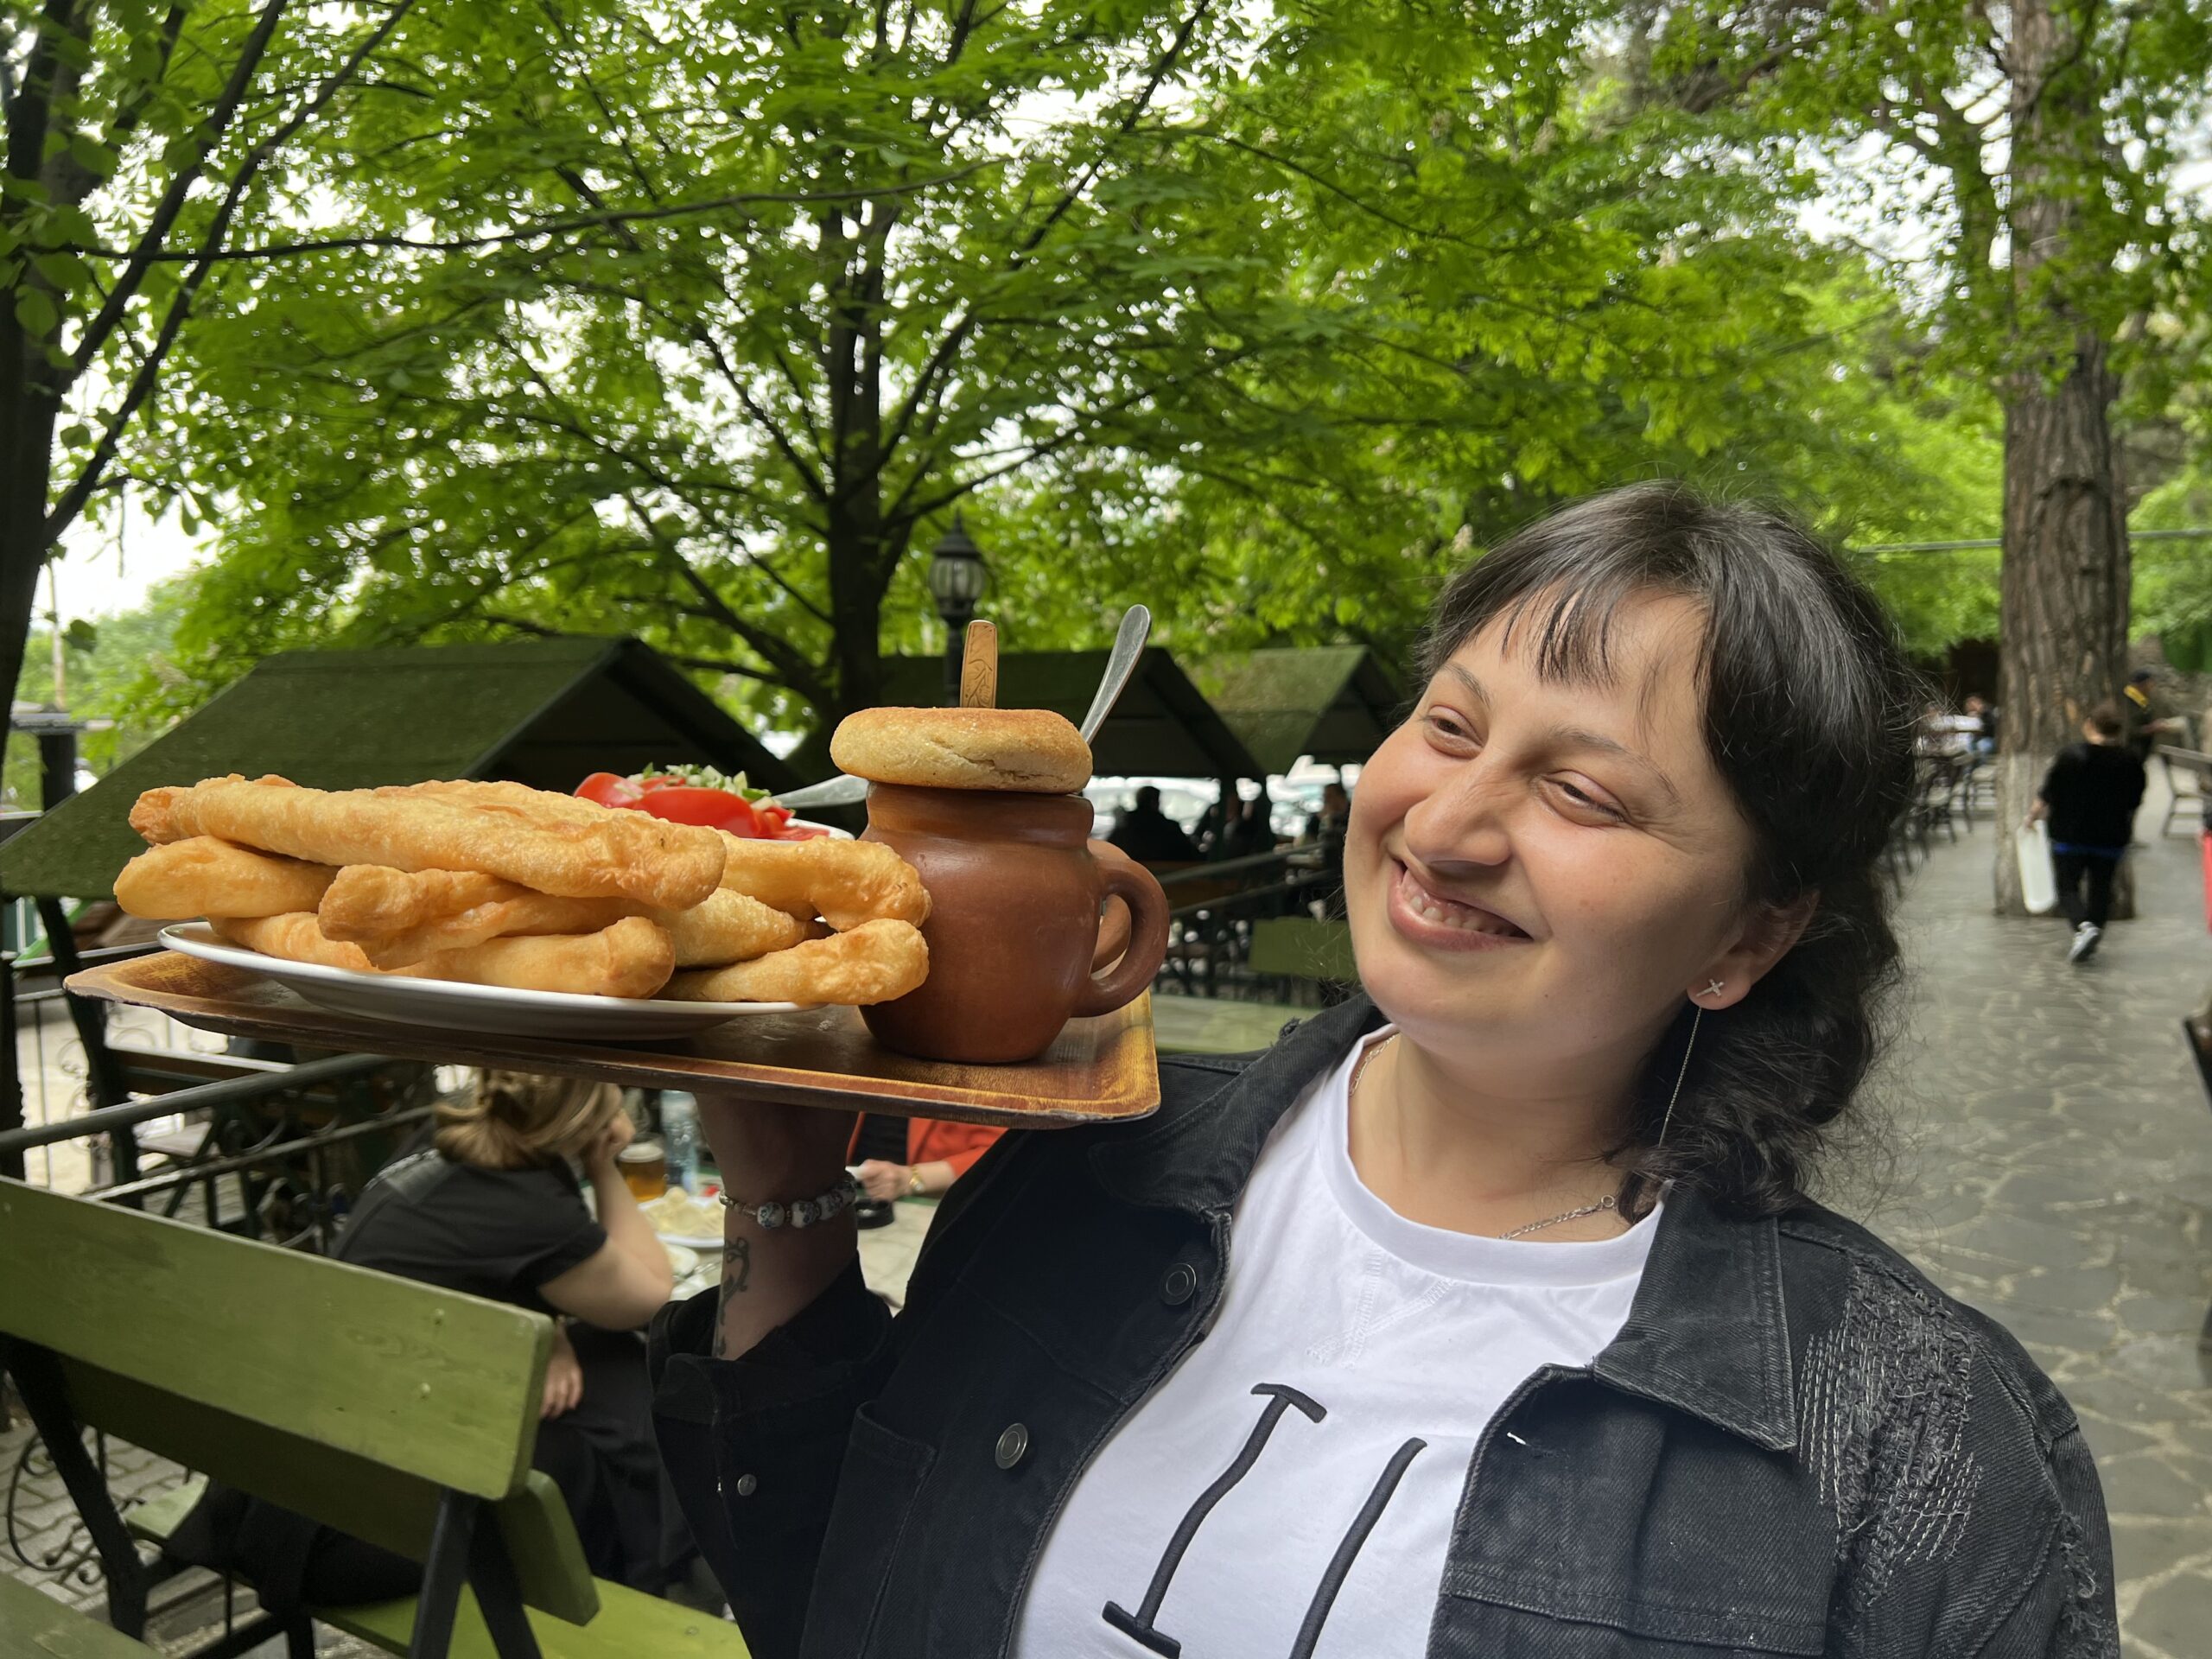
(1115, 928)
(1015, 895)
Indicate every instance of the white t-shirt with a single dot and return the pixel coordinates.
(1330, 1416)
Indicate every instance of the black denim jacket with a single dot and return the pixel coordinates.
(1796, 1444)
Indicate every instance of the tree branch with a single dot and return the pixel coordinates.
(798, 673)
(211, 131)
(957, 336)
(66, 511)
(612, 217)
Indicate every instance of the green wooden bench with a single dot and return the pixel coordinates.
(1299, 947)
(1286, 947)
(396, 1411)
(34, 1625)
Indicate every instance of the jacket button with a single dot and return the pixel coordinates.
(747, 1485)
(1180, 1284)
(1013, 1445)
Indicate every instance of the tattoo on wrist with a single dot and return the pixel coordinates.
(737, 1271)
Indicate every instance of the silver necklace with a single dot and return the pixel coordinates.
(1603, 1204)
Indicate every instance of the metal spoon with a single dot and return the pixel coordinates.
(1129, 648)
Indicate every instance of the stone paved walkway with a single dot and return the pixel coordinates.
(2056, 1170)
(2053, 1167)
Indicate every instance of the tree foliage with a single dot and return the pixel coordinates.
(113, 670)
(700, 327)
(137, 138)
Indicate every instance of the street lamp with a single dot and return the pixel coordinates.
(957, 578)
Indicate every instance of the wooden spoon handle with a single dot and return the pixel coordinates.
(978, 667)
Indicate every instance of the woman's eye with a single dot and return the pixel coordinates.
(1448, 727)
(1582, 800)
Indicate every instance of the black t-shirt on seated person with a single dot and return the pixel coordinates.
(498, 1233)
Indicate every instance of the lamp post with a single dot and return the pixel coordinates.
(957, 577)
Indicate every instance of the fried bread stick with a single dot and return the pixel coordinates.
(204, 876)
(622, 854)
(875, 962)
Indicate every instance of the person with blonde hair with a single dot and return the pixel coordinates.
(494, 1206)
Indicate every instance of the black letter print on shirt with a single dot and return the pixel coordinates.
(1324, 1594)
(1140, 1626)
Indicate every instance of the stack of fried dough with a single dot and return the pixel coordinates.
(499, 884)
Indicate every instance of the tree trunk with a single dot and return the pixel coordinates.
(27, 410)
(859, 573)
(2064, 587)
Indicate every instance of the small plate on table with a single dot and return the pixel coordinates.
(690, 1225)
(448, 1005)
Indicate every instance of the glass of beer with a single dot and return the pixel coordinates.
(645, 1169)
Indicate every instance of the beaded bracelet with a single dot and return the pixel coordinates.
(801, 1212)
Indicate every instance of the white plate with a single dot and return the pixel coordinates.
(487, 1008)
(698, 1246)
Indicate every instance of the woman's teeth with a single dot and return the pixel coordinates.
(1445, 913)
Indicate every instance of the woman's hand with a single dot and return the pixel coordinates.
(564, 1377)
(604, 1151)
(885, 1183)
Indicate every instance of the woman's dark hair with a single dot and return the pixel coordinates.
(1809, 714)
(2105, 721)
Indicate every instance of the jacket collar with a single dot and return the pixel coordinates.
(1708, 1333)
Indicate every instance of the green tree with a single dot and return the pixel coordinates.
(114, 670)
(1267, 329)
(2048, 129)
(138, 141)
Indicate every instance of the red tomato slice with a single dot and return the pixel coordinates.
(689, 803)
(682, 802)
(607, 790)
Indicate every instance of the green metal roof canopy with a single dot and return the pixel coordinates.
(1161, 726)
(544, 713)
(1333, 702)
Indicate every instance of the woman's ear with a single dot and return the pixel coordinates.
(1767, 938)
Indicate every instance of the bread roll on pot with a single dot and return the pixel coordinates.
(1034, 750)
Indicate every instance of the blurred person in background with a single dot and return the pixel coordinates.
(1149, 836)
(2089, 795)
(1254, 832)
(1326, 829)
(1982, 734)
(938, 1153)
(2146, 718)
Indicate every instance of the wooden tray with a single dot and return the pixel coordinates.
(1098, 1070)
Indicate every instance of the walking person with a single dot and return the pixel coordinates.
(1486, 1312)
(2090, 796)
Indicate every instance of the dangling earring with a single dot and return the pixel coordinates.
(1697, 1018)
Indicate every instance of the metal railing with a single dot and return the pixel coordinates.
(285, 1140)
(1210, 935)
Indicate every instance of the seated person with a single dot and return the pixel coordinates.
(1254, 832)
(1149, 836)
(493, 1207)
(939, 1153)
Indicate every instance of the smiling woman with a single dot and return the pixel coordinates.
(1662, 744)
(1486, 1314)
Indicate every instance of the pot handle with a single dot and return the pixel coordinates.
(1134, 885)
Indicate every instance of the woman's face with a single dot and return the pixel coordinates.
(1538, 872)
